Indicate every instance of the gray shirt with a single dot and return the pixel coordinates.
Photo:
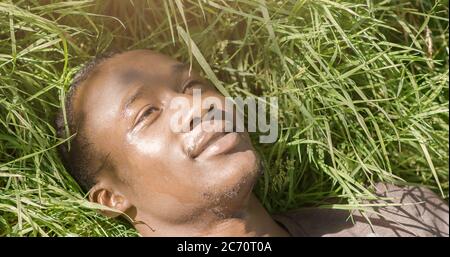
(421, 213)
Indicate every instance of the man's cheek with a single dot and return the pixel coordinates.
(146, 146)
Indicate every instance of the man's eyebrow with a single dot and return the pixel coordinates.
(130, 76)
(134, 96)
(180, 68)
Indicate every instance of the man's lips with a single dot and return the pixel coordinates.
(203, 144)
(219, 145)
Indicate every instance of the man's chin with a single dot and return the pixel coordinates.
(232, 192)
(237, 169)
(230, 201)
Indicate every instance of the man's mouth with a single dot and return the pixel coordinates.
(205, 144)
(219, 143)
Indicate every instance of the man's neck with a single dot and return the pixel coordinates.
(253, 221)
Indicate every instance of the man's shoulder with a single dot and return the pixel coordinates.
(400, 211)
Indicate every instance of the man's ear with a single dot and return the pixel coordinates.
(105, 196)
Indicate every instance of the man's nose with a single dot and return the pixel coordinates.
(196, 115)
(190, 113)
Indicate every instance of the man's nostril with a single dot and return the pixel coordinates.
(194, 122)
(206, 116)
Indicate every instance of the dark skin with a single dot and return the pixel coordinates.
(192, 183)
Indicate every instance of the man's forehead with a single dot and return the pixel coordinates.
(125, 68)
(128, 75)
(140, 59)
(121, 73)
(135, 65)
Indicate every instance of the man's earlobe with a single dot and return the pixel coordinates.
(102, 195)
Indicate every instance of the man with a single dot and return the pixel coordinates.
(194, 182)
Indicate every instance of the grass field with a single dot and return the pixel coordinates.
(362, 88)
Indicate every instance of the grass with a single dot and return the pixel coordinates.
(362, 89)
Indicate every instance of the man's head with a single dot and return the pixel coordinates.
(128, 157)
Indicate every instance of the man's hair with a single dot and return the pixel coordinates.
(78, 154)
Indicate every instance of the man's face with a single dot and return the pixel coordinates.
(171, 175)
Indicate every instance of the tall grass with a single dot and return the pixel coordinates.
(362, 88)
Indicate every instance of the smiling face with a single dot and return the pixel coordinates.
(169, 175)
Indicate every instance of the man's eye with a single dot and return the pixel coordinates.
(145, 113)
(189, 86)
